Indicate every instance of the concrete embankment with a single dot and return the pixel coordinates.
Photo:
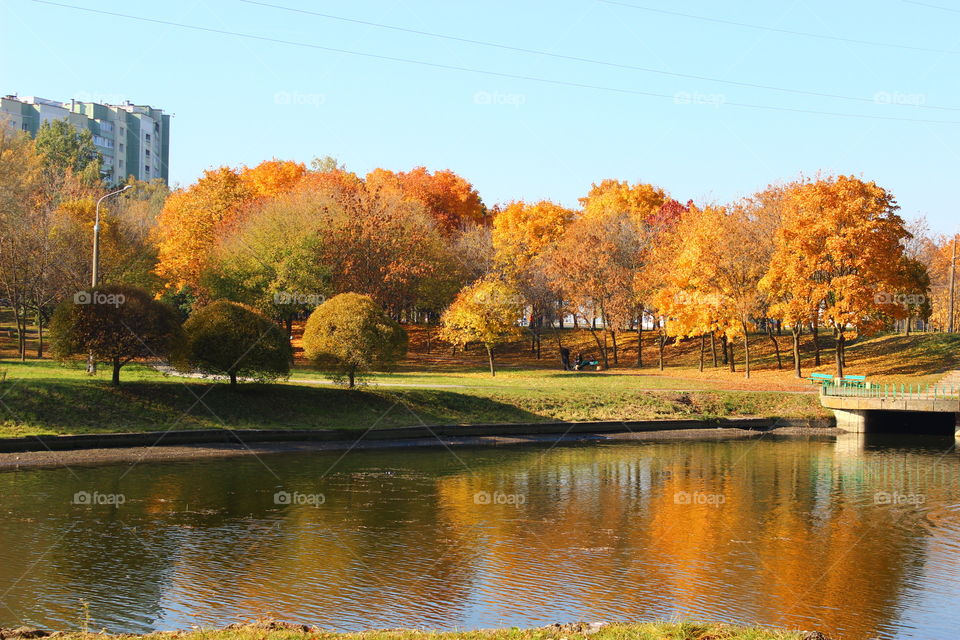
(177, 445)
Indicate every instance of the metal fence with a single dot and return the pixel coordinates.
(893, 391)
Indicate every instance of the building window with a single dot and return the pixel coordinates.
(148, 153)
(146, 169)
(148, 137)
(121, 162)
(121, 146)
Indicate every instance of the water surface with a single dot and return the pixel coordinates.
(857, 539)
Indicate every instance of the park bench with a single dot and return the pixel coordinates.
(853, 381)
(820, 378)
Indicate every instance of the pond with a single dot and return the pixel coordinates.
(854, 538)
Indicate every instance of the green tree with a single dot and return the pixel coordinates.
(117, 324)
(486, 312)
(273, 264)
(350, 335)
(64, 148)
(227, 338)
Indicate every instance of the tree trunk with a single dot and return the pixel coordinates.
(233, 381)
(724, 349)
(640, 342)
(493, 371)
(795, 330)
(730, 359)
(661, 345)
(556, 334)
(909, 317)
(116, 371)
(601, 345)
(613, 337)
(839, 354)
(21, 330)
(351, 377)
(746, 351)
(39, 335)
(776, 346)
(815, 330)
(713, 348)
(703, 346)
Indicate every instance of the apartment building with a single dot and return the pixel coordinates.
(134, 140)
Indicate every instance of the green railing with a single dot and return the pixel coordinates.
(932, 391)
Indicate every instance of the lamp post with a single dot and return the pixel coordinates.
(953, 280)
(95, 272)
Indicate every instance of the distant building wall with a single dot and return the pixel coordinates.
(133, 140)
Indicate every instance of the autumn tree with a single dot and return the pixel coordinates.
(486, 312)
(272, 178)
(117, 324)
(226, 338)
(594, 266)
(349, 335)
(523, 235)
(912, 296)
(191, 223)
(650, 213)
(641, 201)
(841, 245)
(24, 226)
(449, 199)
(714, 275)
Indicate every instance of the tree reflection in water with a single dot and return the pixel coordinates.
(851, 537)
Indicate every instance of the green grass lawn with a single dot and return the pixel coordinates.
(45, 397)
(522, 379)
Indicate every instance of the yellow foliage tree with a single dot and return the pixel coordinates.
(486, 312)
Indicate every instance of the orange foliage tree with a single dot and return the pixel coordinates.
(841, 247)
(452, 201)
(191, 222)
(272, 178)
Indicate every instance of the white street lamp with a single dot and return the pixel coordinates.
(95, 276)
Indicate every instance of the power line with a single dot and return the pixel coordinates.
(807, 34)
(448, 67)
(932, 6)
(605, 63)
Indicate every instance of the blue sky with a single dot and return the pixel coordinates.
(240, 100)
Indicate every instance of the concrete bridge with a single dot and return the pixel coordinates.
(896, 408)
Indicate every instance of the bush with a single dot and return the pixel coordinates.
(226, 338)
(115, 323)
(349, 335)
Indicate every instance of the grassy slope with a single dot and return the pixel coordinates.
(433, 386)
(642, 631)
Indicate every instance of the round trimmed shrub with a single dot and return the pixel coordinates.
(350, 335)
(226, 338)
